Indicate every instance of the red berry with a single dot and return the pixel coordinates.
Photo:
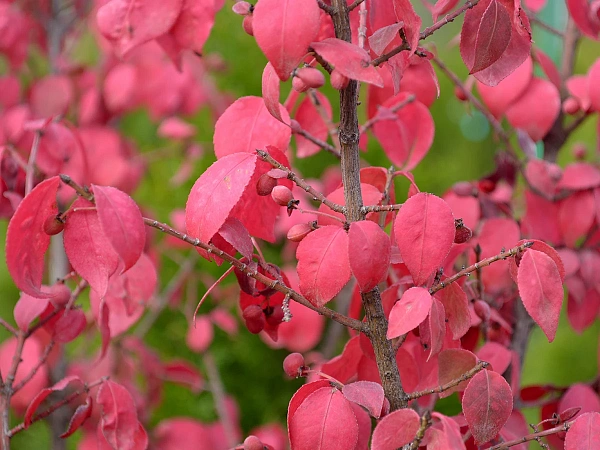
(253, 443)
(459, 93)
(292, 364)
(247, 25)
(265, 184)
(61, 294)
(338, 81)
(299, 85)
(487, 186)
(482, 309)
(312, 77)
(282, 195)
(254, 318)
(462, 233)
(52, 225)
(298, 232)
(570, 106)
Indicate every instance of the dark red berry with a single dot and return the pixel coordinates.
(265, 184)
(292, 364)
(52, 225)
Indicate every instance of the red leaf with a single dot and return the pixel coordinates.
(103, 325)
(26, 241)
(548, 67)
(51, 96)
(270, 91)
(582, 396)
(89, 250)
(395, 430)
(499, 98)
(487, 404)
(453, 363)
(367, 394)
(448, 437)
(122, 222)
(579, 176)
(200, 335)
(193, 25)
(301, 394)
(284, 29)
(496, 234)
(323, 264)
(119, 87)
(128, 23)
(456, 306)
(81, 414)
(216, 193)
(381, 38)
(442, 7)
(412, 22)
(235, 233)
(424, 230)
(348, 59)
(406, 135)
(580, 10)
(119, 422)
(594, 77)
(324, 421)
(536, 110)
(435, 328)
(370, 194)
(69, 325)
(369, 250)
(27, 309)
(541, 290)
(409, 311)
(497, 355)
(184, 373)
(585, 433)
(343, 367)
(540, 247)
(576, 216)
(309, 118)
(492, 37)
(43, 394)
(247, 125)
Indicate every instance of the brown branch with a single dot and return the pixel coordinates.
(84, 390)
(426, 32)
(534, 437)
(273, 284)
(478, 265)
(534, 19)
(354, 4)
(449, 385)
(218, 392)
(381, 208)
(301, 183)
(325, 7)
(315, 140)
(425, 424)
(34, 370)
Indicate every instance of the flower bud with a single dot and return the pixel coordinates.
(298, 232)
(570, 106)
(247, 25)
(338, 81)
(312, 77)
(292, 364)
(282, 195)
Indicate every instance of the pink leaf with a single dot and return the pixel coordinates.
(184, 373)
(348, 59)
(370, 194)
(119, 422)
(270, 91)
(324, 421)
(580, 11)
(310, 120)
(535, 5)
(51, 96)
(579, 176)
(284, 29)
(381, 38)
(369, 251)
(247, 125)
(540, 247)
(395, 430)
(44, 393)
(323, 264)
(548, 67)
(367, 394)
(576, 216)
(216, 193)
(487, 404)
(119, 87)
(81, 414)
(27, 309)
(585, 433)
(536, 110)
(128, 23)
(409, 311)
(497, 355)
(452, 364)
(412, 21)
(594, 77)
(456, 306)
(436, 326)
(122, 223)
(89, 251)
(301, 394)
(193, 25)
(541, 290)
(406, 135)
(104, 326)
(200, 336)
(69, 325)
(424, 230)
(443, 7)
(26, 241)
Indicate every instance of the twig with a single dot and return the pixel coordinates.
(315, 140)
(533, 437)
(34, 370)
(325, 7)
(496, 125)
(31, 163)
(273, 284)
(355, 4)
(397, 107)
(545, 26)
(216, 387)
(86, 388)
(301, 183)
(478, 265)
(576, 123)
(8, 327)
(381, 208)
(444, 387)
(393, 52)
(425, 423)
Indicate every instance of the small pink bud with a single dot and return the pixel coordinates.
(247, 25)
(464, 189)
(253, 443)
(312, 77)
(298, 232)
(282, 195)
(338, 81)
(459, 93)
(570, 106)
(265, 184)
(242, 8)
(61, 294)
(298, 85)
(579, 151)
(292, 364)
(482, 309)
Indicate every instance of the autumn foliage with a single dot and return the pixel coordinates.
(437, 295)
